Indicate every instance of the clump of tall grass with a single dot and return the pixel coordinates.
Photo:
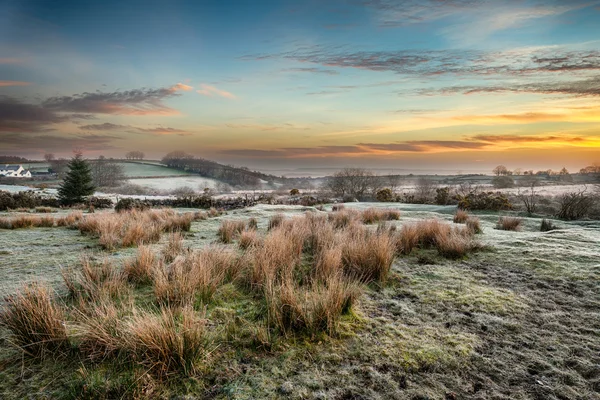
(173, 248)
(474, 225)
(372, 215)
(70, 219)
(95, 281)
(275, 221)
(252, 224)
(44, 210)
(229, 230)
(35, 321)
(99, 329)
(168, 342)
(547, 226)
(26, 221)
(509, 223)
(367, 256)
(249, 238)
(460, 217)
(450, 242)
(311, 308)
(139, 270)
(338, 207)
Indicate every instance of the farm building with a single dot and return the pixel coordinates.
(14, 171)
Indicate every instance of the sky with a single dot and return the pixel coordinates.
(435, 85)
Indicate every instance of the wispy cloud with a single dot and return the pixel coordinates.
(130, 102)
(469, 143)
(209, 90)
(14, 83)
(312, 70)
(159, 131)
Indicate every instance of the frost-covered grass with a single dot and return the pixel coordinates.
(517, 319)
(197, 183)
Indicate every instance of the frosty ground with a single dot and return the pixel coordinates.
(519, 320)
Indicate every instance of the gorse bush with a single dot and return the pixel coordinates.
(547, 226)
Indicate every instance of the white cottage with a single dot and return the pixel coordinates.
(14, 171)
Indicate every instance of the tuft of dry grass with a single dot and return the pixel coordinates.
(26, 221)
(139, 270)
(373, 215)
(35, 321)
(230, 230)
(213, 212)
(547, 226)
(474, 225)
(99, 329)
(275, 221)
(367, 256)
(70, 219)
(460, 217)
(249, 238)
(173, 248)
(95, 281)
(44, 210)
(168, 342)
(252, 224)
(338, 207)
(311, 308)
(509, 224)
(455, 244)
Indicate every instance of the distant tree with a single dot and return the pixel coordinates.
(12, 159)
(503, 182)
(564, 175)
(500, 170)
(529, 197)
(57, 166)
(78, 182)
(294, 192)
(107, 173)
(135, 155)
(354, 182)
(424, 190)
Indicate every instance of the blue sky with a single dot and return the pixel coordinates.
(442, 84)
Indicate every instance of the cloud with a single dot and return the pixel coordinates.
(42, 143)
(469, 143)
(130, 102)
(469, 20)
(10, 60)
(19, 117)
(183, 86)
(159, 131)
(312, 70)
(164, 131)
(209, 90)
(107, 126)
(14, 83)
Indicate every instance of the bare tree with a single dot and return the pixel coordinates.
(356, 182)
(575, 205)
(424, 190)
(57, 166)
(529, 197)
(500, 170)
(134, 155)
(107, 173)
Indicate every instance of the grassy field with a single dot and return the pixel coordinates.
(517, 319)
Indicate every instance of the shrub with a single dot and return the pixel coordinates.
(229, 230)
(575, 205)
(442, 196)
(294, 192)
(547, 226)
(385, 195)
(128, 204)
(503, 182)
(460, 217)
(509, 223)
(484, 201)
(338, 207)
(35, 321)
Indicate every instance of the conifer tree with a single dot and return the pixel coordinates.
(78, 182)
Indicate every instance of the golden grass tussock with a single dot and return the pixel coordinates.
(474, 225)
(338, 207)
(460, 217)
(26, 221)
(230, 230)
(275, 221)
(44, 210)
(451, 242)
(99, 329)
(139, 269)
(509, 223)
(367, 256)
(35, 321)
(173, 248)
(70, 219)
(373, 215)
(134, 227)
(167, 342)
(95, 281)
(311, 308)
(249, 238)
